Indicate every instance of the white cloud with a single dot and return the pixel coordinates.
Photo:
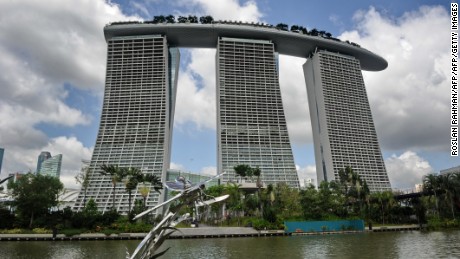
(409, 97)
(307, 172)
(294, 95)
(209, 170)
(407, 170)
(73, 152)
(176, 166)
(44, 47)
(196, 94)
(142, 8)
(225, 9)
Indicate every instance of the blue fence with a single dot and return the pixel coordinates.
(324, 226)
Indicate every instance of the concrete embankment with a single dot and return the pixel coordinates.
(204, 232)
(187, 233)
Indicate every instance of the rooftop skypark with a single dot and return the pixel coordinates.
(162, 19)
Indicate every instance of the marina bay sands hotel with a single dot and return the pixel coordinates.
(140, 96)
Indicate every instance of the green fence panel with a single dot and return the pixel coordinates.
(324, 226)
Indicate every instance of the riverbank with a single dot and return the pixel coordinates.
(189, 233)
(183, 233)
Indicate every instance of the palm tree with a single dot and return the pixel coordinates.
(154, 180)
(447, 182)
(116, 175)
(134, 176)
(144, 191)
(431, 185)
(256, 172)
(234, 201)
(386, 199)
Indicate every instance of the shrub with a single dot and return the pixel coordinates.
(72, 231)
(13, 231)
(109, 231)
(41, 231)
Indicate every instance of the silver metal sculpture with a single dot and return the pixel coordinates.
(189, 195)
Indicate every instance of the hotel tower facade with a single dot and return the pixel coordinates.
(251, 125)
(137, 117)
(341, 118)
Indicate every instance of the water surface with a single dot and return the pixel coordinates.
(414, 244)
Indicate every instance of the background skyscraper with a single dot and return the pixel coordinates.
(343, 128)
(251, 123)
(42, 157)
(52, 166)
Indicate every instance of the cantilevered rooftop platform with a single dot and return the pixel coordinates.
(193, 35)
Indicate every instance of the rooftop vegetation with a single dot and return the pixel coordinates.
(165, 19)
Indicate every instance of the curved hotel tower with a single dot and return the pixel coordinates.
(139, 99)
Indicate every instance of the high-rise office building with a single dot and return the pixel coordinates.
(51, 166)
(137, 116)
(42, 157)
(251, 123)
(343, 128)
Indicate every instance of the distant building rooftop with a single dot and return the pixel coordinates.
(451, 170)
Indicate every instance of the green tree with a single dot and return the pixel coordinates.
(206, 19)
(448, 184)
(192, 19)
(243, 171)
(287, 202)
(314, 32)
(282, 26)
(234, 202)
(159, 19)
(295, 28)
(431, 184)
(170, 19)
(309, 203)
(386, 201)
(35, 194)
(182, 19)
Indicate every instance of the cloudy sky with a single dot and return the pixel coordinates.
(52, 70)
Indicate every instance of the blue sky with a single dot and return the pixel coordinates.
(52, 80)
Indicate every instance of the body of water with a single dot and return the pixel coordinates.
(415, 244)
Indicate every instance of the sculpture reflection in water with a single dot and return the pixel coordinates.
(189, 195)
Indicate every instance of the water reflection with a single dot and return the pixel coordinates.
(445, 244)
